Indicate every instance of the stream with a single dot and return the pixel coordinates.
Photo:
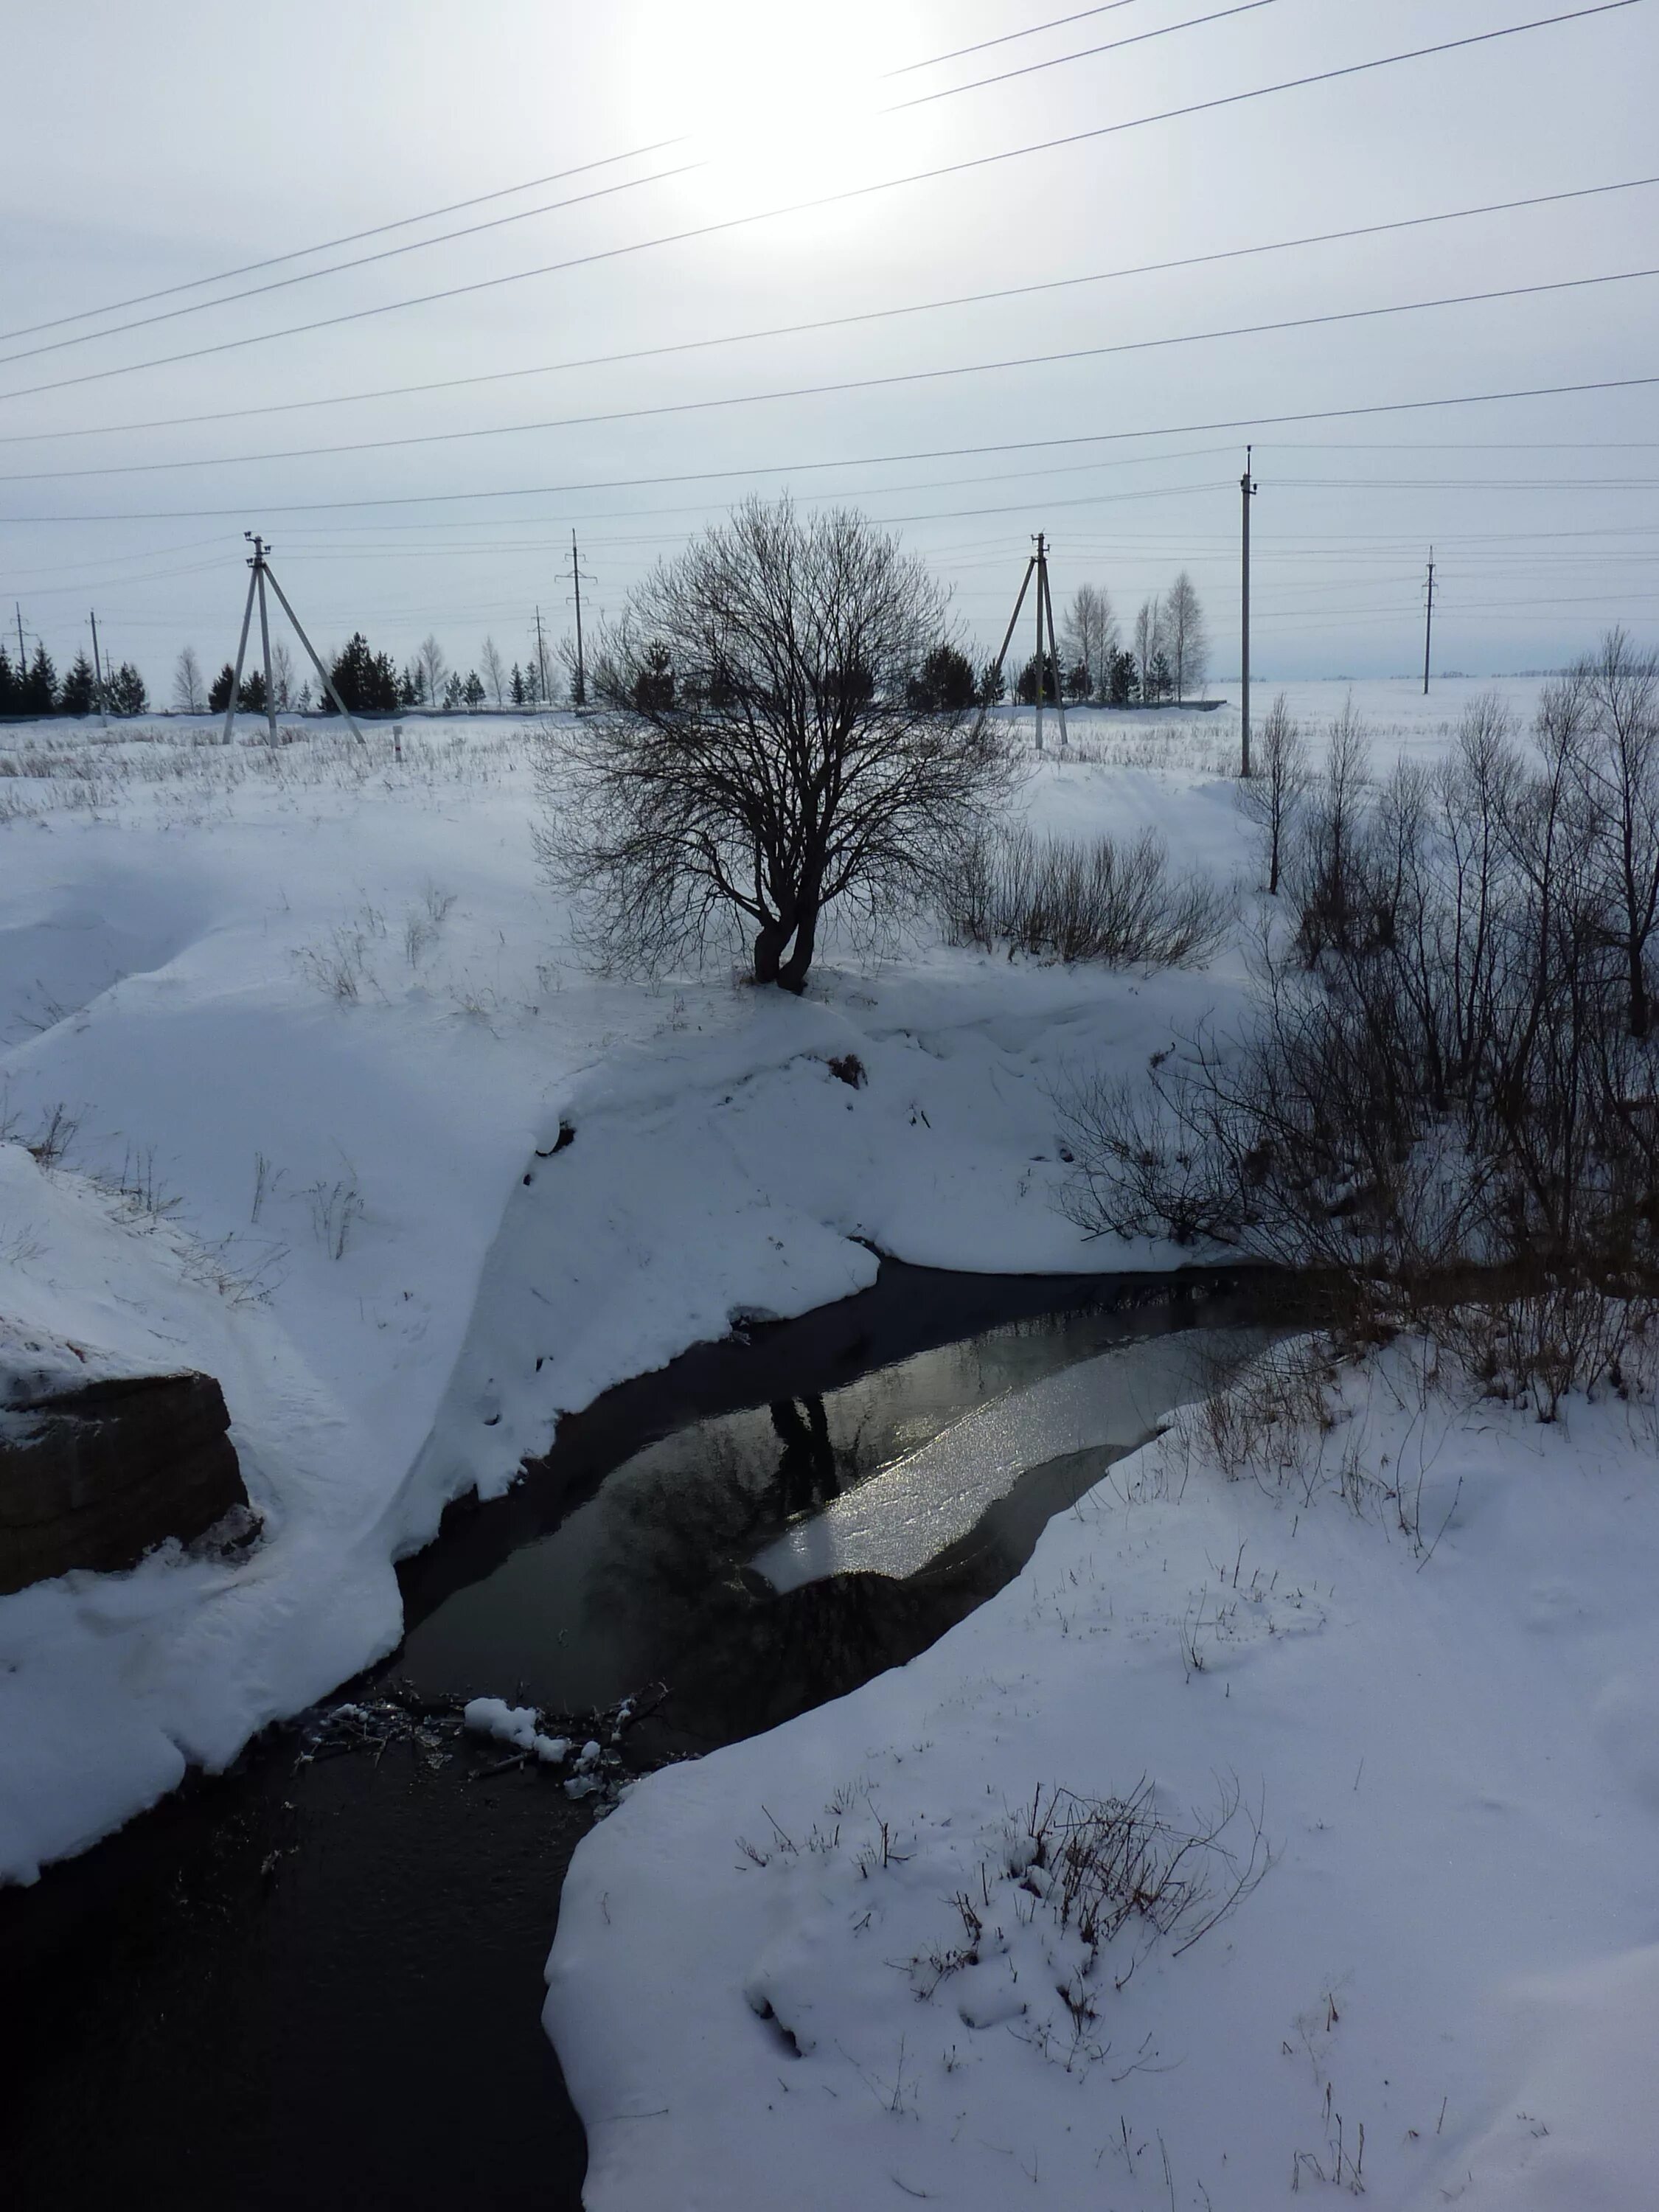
(317, 1977)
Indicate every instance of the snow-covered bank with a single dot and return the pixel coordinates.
(315, 1017)
(312, 1011)
(816, 1968)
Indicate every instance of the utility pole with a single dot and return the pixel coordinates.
(1036, 566)
(97, 665)
(264, 636)
(1041, 671)
(1054, 649)
(579, 696)
(1428, 623)
(541, 656)
(1248, 488)
(18, 609)
(260, 564)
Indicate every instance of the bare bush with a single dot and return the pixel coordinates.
(1448, 1073)
(1328, 856)
(1059, 898)
(1534, 1348)
(756, 758)
(1614, 705)
(336, 1208)
(1110, 1860)
(1273, 798)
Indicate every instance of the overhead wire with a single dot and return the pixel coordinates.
(886, 382)
(523, 215)
(1007, 38)
(839, 322)
(503, 191)
(349, 238)
(804, 467)
(1083, 54)
(965, 166)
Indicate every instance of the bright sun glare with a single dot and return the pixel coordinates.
(781, 101)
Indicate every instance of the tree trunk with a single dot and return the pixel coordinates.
(769, 941)
(792, 975)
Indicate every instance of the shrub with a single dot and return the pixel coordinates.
(1068, 899)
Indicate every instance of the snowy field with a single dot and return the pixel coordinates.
(310, 1016)
(310, 1027)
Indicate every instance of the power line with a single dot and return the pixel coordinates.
(350, 238)
(874, 460)
(1007, 38)
(822, 391)
(1083, 54)
(839, 322)
(822, 200)
(520, 214)
(335, 268)
(503, 191)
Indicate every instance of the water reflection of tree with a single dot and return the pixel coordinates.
(807, 1474)
(674, 1537)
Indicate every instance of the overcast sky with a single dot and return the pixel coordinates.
(148, 147)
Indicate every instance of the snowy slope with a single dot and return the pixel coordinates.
(758, 1992)
(314, 1012)
(317, 1004)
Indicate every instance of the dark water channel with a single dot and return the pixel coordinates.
(319, 1983)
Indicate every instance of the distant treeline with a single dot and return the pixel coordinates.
(34, 689)
(366, 682)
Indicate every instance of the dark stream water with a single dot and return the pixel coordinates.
(318, 1983)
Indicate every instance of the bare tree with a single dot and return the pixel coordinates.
(1272, 799)
(756, 757)
(495, 669)
(188, 692)
(282, 674)
(1089, 633)
(1149, 643)
(1618, 763)
(433, 664)
(1186, 640)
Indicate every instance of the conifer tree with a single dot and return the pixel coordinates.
(79, 693)
(366, 682)
(41, 684)
(127, 691)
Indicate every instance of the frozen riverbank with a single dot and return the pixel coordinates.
(311, 1015)
(816, 1967)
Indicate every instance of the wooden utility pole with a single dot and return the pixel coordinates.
(1428, 623)
(260, 564)
(1248, 488)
